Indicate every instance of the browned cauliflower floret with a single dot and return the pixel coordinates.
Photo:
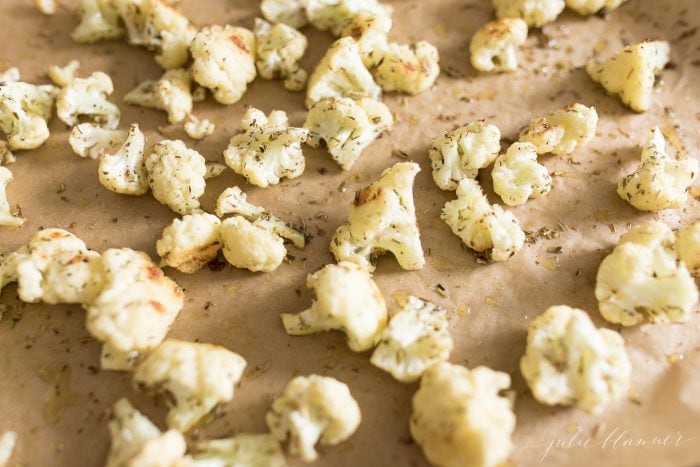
(494, 47)
(189, 243)
(562, 131)
(408, 68)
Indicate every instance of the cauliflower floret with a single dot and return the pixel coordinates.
(348, 300)
(569, 362)
(251, 246)
(589, 7)
(416, 338)
(244, 450)
(659, 182)
(134, 310)
(290, 12)
(688, 248)
(170, 93)
(6, 217)
(313, 408)
(347, 126)
(197, 376)
(408, 68)
(125, 171)
(341, 73)
(494, 47)
(63, 75)
(535, 12)
(88, 96)
(189, 243)
(492, 232)
(176, 175)
(90, 140)
(563, 130)
(382, 218)
(643, 278)
(137, 442)
(460, 153)
(631, 73)
(25, 110)
(199, 129)
(224, 61)
(371, 32)
(99, 21)
(8, 439)
(335, 15)
(518, 177)
(268, 149)
(459, 418)
(46, 7)
(279, 49)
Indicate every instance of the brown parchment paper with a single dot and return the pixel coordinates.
(52, 394)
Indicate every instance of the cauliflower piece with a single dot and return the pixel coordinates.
(408, 68)
(341, 73)
(459, 418)
(137, 442)
(563, 130)
(6, 155)
(90, 140)
(99, 21)
(214, 169)
(46, 7)
(348, 300)
(631, 73)
(135, 308)
(6, 217)
(125, 171)
(11, 75)
(535, 13)
(494, 47)
(199, 129)
(335, 15)
(489, 230)
(8, 439)
(569, 362)
(460, 153)
(289, 12)
(688, 247)
(176, 175)
(416, 338)
(62, 75)
(251, 246)
(189, 243)
(371, 32)
(88, 96)
(382, 218)
(268, 149)
(25, 110)
(347, 126)
(244, 450)
(279, 49)
(659, 182)
(170, 93)
(589, 7)
(197, 376)
(313, 408)
(643, 278)
(518, 177)
(224, 61)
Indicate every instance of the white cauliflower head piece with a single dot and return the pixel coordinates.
(243, 450)
(197, 376)
(688, 247)
(517, 176)
(312, 409)
(63, 75)
(347, 126)
(88, 97)
(99, 21)
(25, 110)
(90, 140)
(382, 218)
(494, 47)
(459, 417)
(251, 246)
(568, 361)
(487, 229)
(631, 73)
(562, 131)
(279, 49)
(460, 153)
(289, 12)
(589, 7)
(408, 68)
(268, 149)
(643, 279)
(170, 93)
(125, 171)
(416, 338)
(371, 31)
(534, 12)
(189, 243)
(335, 15)
(660, 182)
(197, 128)
(6, 217)
(348, 300)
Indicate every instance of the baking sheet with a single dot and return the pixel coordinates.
(52, 394)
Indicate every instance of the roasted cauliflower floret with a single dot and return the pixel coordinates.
(176, 175)
(99, 22)
(382, 218)
(8, 439)
(135, 308)
(137, 442)
(170, 93)
(224, 61)
(279, 49)
(197, 376)
(631, 73)
(243, 450)
(534, 12)
(25, 110)
(408, 68)
(251, 246)
(90, 140)
(487, 229)
(7, 219)
(62, 75)
(347, 126)
(371, 32)
(459, 418)
(416, 338)
(335, 15)
(494, 47)
(569, 362)
(589, 7)
(88, 96)
(659, 182)
(562, 131)
(348, 300)
(289, 12)
(643, 279)
(460, 153)
(688, 247)
(125, 171)
(268, 149)
(312, 409)
(341, 73)
(189, 243)
(517, 176)
(199, 128)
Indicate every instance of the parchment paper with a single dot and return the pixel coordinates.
(52, 394)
